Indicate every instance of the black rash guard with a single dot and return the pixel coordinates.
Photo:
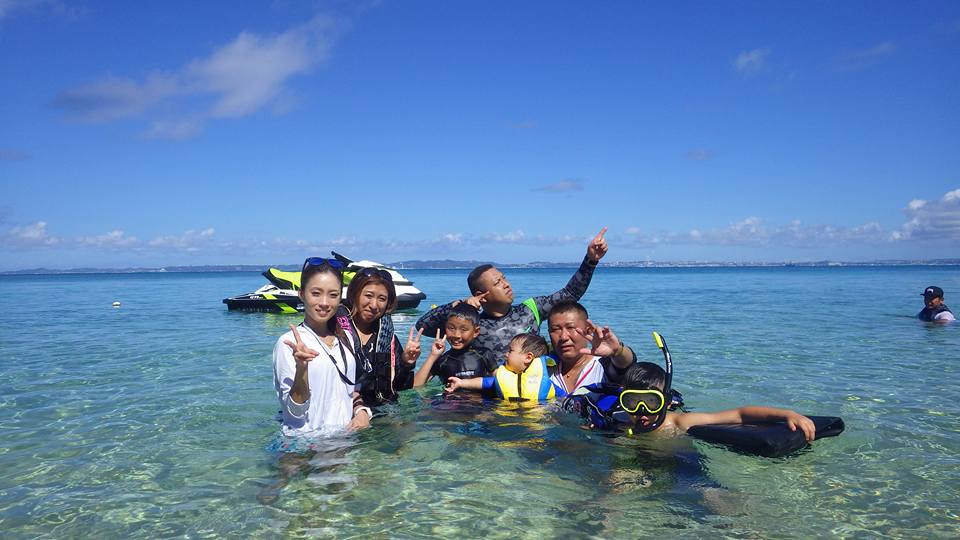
(462, 363)
(929, 315)
(496, 332)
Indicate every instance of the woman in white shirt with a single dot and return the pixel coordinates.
(314, 369)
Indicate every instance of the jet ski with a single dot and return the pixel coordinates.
(280, 295)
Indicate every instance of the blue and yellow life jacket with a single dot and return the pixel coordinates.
(532, 384)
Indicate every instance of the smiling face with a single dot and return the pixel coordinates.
(321, 297)
(460, 332)
(566, 341)
(517, 360)
(498, 289)
(372, 303)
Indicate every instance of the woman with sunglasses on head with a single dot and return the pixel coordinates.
(314, 366)
(371, 297)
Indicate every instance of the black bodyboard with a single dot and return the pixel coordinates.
(769, 440)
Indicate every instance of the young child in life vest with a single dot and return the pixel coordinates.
(462, 360)
(524, 375)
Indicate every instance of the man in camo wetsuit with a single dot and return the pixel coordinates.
(500, 320)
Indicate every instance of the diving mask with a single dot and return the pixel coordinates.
(650, 401)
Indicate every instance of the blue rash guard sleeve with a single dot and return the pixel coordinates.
(491, 388)
(574, 289)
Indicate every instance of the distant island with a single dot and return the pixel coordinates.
(447, 264)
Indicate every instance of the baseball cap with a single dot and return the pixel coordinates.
(932, 292)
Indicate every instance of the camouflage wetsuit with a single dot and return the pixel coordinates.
(496, 332)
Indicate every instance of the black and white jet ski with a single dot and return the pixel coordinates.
(280, 295)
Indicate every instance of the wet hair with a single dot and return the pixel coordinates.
(644, 376)
(466, 312)
(361, 280)
(530, 343)
(565, 306)
(473, 279)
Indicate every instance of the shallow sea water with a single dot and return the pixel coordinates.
(153, 420)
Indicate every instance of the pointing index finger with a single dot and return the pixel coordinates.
(600, 234)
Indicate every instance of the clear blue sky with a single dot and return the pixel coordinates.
(164, 133)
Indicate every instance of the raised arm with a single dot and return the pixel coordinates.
(749, 414)
(406, 360)
(423, 374)
(578, 284)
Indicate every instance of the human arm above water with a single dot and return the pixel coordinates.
(578, 284)
(436, 350)
(299, 390)
(403, 378)
(746, 415)
(456, 383)
(361, 414)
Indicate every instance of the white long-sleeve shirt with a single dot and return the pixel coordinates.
(330, 405)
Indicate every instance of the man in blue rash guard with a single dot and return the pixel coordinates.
(500, 320)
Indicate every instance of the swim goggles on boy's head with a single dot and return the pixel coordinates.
(370, 271)
(650, 401)
(320, 261)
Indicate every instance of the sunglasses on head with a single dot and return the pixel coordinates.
(320, 261)
(369, 272)
(651, 401)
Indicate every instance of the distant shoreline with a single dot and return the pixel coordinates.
(467, 265)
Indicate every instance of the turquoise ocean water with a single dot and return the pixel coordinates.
(152, 420)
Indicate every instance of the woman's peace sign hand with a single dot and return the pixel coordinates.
(412, 351)
(301, 353)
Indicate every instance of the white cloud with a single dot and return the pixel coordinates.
(29, 236)
(751, 61)
(932, 220)
(114, 239)
(237, 79)
(862, 58)
(189, 241)
(174, 130)
(508, 238)
(452, 238)
(562, 186)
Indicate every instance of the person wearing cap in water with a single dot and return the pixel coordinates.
(935, 310)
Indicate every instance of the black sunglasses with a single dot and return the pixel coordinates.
(320, 261)
(369, 272)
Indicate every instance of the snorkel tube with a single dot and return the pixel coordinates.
(667, 392)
